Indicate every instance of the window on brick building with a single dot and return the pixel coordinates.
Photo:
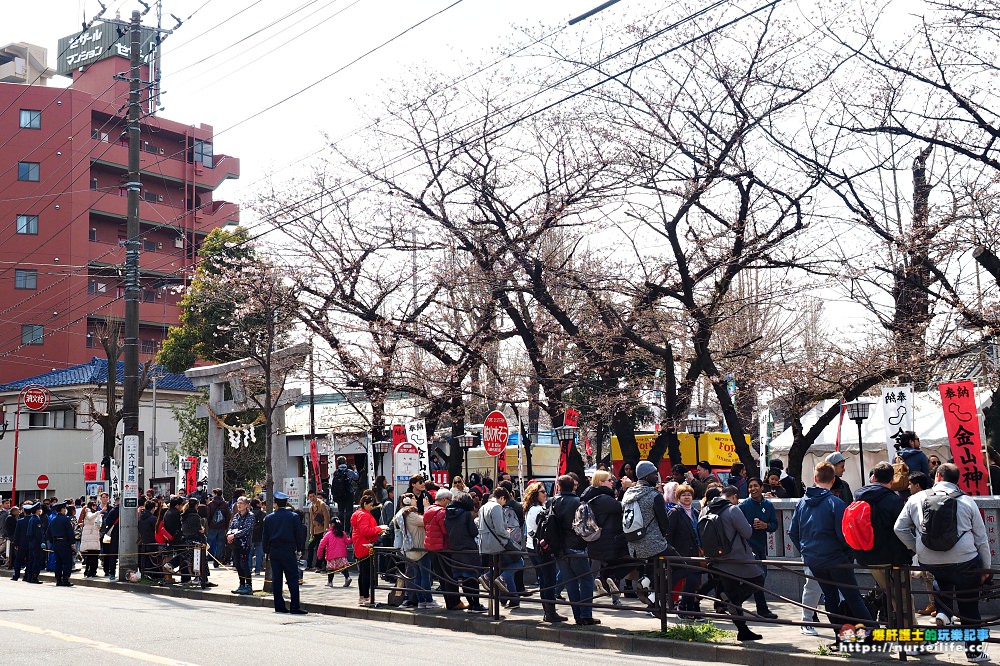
(27, 224)
(28, 171)
(31, 119)
(32, 334)
(25, 278)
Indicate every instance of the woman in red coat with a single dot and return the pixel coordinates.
(364, 532)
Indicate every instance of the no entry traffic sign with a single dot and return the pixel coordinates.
(495, 433)
(36, 398)
(43, 482)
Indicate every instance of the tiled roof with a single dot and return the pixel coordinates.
(96, 372)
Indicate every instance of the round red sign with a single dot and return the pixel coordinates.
(36, 398)
(43, 482)
(495, 433)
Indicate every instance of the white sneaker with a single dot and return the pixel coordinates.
(430, 605)
(942, 620)
(329, 583)
(808, 631)
(612, 588)
(642, 591)
(599, 586)
(978, 657)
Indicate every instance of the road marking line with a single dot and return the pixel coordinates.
(97, 645)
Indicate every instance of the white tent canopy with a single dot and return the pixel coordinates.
(928, 423)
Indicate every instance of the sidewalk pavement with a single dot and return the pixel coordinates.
(620, 629)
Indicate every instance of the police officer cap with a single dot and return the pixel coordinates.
(280, 495)
(58, 507)
(31, 507)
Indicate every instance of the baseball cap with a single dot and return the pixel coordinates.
(705, 464)
(280, 495)
(835, 458)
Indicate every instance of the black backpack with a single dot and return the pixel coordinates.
(341, 486)
(712, 534)
(939, 521)
(548, 536)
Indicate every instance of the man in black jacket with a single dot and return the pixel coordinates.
(574, 567)
(888, 549)
(147, 539)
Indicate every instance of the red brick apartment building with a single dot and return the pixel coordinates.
(63, 169)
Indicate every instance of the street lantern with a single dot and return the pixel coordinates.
(381, 447)
(857, 411)
(697, 426)
(186, 464)
(466, 442)
(565, 433)
(567, 438)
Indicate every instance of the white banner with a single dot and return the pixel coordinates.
(416, 434)
(897, 409)
(371, 463)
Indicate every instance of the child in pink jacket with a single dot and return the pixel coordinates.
(333, 547)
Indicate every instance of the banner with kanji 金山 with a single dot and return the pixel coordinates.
(897, 410)
(961, 417)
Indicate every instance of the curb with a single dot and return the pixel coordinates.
(623, 643)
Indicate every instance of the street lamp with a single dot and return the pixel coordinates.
(857, 411)
(381, 447)
(697, 425)
(466, 442)
(567, 437)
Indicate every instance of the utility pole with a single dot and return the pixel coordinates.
(128, 522)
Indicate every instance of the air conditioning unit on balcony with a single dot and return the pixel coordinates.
(159, 197)
(101, 287)
(178, 242)
(161, 151)
(159, 246)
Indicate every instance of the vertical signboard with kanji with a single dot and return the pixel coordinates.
(961, 417)
(130, 489)
(897, 411)
(416, 434)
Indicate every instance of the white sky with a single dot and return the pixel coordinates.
(225, 89)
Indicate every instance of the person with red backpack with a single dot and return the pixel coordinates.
(817, 532)
(868, 528)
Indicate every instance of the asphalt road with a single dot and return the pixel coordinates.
(43, 624)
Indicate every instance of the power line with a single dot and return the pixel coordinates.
(342, 68)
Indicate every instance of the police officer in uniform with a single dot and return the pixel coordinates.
(283, 535)
(21, 541)
(60, 538)
(36, 537)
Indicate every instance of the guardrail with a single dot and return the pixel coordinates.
(894, 613)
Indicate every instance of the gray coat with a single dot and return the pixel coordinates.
(739, 531)
(493, 535)
(655, 541)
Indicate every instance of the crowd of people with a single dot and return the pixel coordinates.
(596, 536)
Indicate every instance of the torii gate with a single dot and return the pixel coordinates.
(215, 377)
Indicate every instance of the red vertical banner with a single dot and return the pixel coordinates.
(961, 417)
(191, 478)
(89, 472)
(314, 454)
(502, 462)
(398, 434)
(572, 417)
(563, 457)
